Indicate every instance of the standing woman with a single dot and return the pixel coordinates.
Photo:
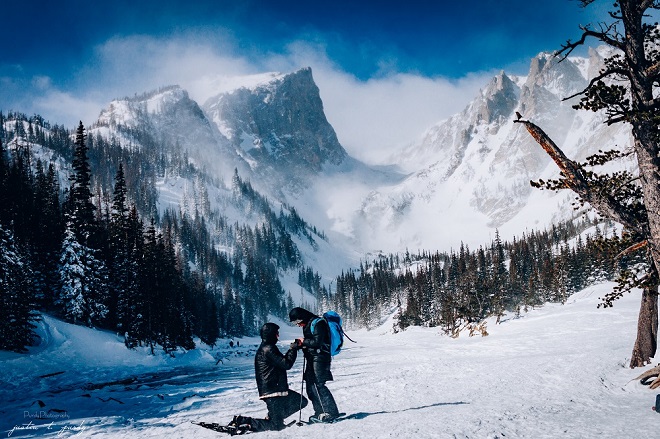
(316, 348)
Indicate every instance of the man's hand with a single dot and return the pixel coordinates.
(297, 343)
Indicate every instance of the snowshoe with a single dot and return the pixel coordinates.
(238, 425)
(322, 418)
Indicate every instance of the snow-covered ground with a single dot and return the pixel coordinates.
(558, 371)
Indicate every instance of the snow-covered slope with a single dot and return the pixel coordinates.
(169, 120)
(470, 174)
(558, 371)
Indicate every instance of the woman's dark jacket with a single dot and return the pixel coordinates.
(316, 347)
(270, 368)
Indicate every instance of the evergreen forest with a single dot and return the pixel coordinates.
(82, 238)
(457, 290)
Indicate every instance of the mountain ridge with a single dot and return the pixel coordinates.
(473, 169)
(465, 177)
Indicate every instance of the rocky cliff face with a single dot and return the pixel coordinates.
(279, 127)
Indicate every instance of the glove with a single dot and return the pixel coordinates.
(297, 344)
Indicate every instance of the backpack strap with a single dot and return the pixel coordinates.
(346, 335)
(312, 325)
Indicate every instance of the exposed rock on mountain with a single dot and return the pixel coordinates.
(279, 127)
(473, 169)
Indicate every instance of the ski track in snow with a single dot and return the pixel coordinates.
(557, 371)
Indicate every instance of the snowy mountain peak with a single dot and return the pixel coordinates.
(498, 99)
(220, 85)
(562, 78)
(128, 111)
(279, 126)
(472, 171)
(227, 84)
(271, 127)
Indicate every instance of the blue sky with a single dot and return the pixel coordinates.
(393, 67)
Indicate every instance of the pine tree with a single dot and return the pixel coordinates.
(17, 298)
(20, 193)
(81, 210)
(48, 233)
(499, 277)
(144, 326)
(124, 256)
(5, 217)
(83, 282)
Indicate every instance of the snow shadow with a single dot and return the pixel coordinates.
(73, 405)
(362, 415)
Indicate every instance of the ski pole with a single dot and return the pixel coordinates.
(302, 382)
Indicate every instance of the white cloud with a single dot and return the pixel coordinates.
(377, 117)
(65, 108)
(42, 82)
(372, 118)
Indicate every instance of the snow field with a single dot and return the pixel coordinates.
(557, 371)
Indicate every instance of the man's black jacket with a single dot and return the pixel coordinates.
(270, 368)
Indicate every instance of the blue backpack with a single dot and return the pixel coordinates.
(336, 331)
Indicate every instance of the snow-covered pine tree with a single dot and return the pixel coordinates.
(83, 276)
(125, 232)
(46, 234)
(17, 299)
(83, 282)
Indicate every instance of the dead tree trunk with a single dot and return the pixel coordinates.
(647, 329)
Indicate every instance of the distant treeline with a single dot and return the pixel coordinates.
(459, 289)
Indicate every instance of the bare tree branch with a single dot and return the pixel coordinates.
(632, 248)
(600, 77)
(577, 182)
(613, 120)
(603, 36)
(645, 4)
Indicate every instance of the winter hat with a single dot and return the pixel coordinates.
(269, 332)
(300, 315)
